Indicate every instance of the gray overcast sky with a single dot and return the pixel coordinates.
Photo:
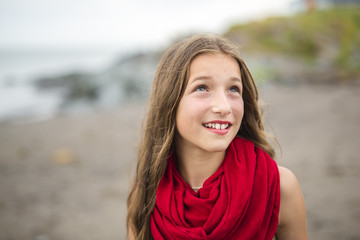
(120, 23)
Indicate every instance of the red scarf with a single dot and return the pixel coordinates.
(241, 200)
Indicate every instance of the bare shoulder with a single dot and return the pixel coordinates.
(292, 216)
(288, 182)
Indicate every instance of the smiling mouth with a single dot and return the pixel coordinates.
(218, 126)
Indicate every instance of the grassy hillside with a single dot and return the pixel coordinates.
(326, 40)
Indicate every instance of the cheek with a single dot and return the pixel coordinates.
(238, 110)
(192, 107)
(190, 111)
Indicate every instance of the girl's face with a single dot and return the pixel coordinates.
(210, 112)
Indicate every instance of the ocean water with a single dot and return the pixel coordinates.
(20, 100)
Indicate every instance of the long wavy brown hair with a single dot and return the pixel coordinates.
(159, 130)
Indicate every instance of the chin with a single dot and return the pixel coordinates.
(218, 146)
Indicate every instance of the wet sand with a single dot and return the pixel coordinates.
(68, 177)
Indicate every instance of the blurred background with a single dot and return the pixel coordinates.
(75, 77)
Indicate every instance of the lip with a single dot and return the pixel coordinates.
(219, 131)
(220, 121)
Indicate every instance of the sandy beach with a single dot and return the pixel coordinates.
(68, 177)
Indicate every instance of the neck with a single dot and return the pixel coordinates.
(195, 166)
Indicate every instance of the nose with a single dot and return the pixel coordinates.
(220, 104)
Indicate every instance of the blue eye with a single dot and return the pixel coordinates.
(235, 89)
(201, 88)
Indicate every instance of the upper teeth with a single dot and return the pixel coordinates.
(216, 125)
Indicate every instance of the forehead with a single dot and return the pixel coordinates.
(214, 64)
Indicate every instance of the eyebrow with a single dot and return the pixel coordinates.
(200, 78)
(236, 79)
(207, 78)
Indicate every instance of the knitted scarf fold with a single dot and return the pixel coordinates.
(241, 200)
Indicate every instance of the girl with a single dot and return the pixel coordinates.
(205, 168)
